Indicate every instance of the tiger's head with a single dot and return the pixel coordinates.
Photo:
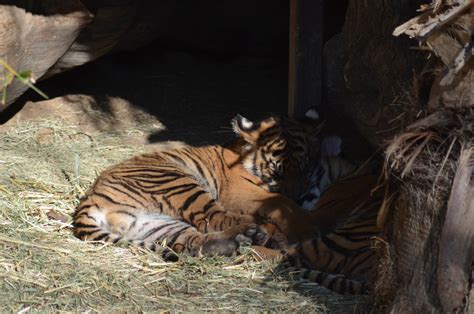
(282, 152)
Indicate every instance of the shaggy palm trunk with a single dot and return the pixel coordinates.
(427, 250)
(377, 65)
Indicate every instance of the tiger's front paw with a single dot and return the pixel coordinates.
(254, 235)
(223, 247)
(278, 242)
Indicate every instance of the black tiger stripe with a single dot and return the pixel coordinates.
(191, 199)
(223, 166)
(268, 133)
(110, 199)
(353, 228)
(335, 247)
(204, 210)
(214, 181)
(249, 180)
(329, 259)
(127, 192)
(79, 214)
(156, 229)
(209, 205)
(176, 234)
(339, 266)
(133, 224)
(174, 188)
(84, 207)
(118, 181)
(140, 179)
(146, 171)
(254, 164)
(211, 216)
(83, 234)
(124, 212)
(191, 239)
(188, 188)
(361, 262)
(83, 226)
(356, 236)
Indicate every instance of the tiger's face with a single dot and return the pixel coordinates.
(282, 152)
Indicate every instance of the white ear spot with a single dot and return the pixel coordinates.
(245, 123)
(312, 114)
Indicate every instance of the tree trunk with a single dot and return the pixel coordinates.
(378, 66)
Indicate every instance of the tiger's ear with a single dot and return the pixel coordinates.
(313, 118)
(312, 114)
(250, 131)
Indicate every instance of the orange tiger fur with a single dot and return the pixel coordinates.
(198, 200)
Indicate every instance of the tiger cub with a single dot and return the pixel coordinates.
(341, 255)
(329, 169)
(204, 200)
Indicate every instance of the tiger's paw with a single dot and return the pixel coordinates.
(224, 247)
(254, 235)
(278, 241)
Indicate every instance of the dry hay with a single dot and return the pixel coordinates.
(45, 167)
(422, 162)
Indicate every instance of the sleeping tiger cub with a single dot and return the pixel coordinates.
(340, 255)
(204, 200)
(330, 168)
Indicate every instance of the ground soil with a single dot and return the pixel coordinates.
(191, 96)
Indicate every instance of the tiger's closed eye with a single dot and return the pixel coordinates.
(278, 152)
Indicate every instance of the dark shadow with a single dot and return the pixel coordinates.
(194, 95)
(45, 8)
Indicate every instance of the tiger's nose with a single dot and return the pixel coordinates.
(273, 188)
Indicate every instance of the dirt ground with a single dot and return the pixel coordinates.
(150, 97)
(192, 95)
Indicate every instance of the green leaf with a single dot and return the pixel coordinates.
(25, 75)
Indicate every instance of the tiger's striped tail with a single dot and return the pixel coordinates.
(335, 282)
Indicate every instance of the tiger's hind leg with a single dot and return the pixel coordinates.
(151, 230)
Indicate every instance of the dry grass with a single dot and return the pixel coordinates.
(45, 167)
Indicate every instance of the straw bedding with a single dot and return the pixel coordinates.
(45, 167)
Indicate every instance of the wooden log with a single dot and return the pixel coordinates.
(456, 252)
(305, 63)
(112, 20)
(35, 34)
